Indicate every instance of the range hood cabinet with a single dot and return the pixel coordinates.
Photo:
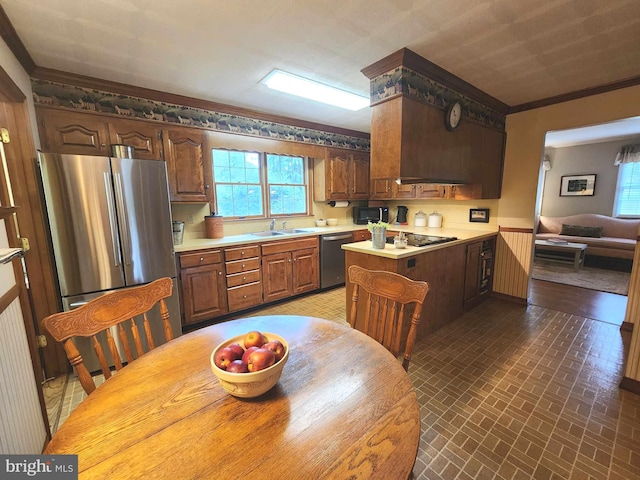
(409, 142)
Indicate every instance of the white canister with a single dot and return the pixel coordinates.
(420, 219)
(435, 220)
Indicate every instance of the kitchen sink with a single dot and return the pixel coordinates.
(273, 233)
(267, 233)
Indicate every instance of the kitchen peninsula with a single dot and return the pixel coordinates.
(459, 272)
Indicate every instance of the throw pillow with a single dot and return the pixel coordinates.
(580, 231)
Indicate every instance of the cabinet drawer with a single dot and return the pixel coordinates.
(361, 235)
(200, 258)
(243, 278)
(289, 245)
(241, 252)
(244, 296)
(242, 265)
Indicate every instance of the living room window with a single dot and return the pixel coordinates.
(257, 185)
(627, 198)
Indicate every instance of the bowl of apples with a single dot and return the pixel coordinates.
(251, 364)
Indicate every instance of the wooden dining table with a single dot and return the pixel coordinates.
(343, 408)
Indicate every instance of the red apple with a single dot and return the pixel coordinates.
(254, 339)
(245, 356)
(224, 357)
(237, 348)
(276, 347)
(260, 359)
(237, 366)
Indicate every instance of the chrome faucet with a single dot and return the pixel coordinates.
(284, 224)
(272, 225)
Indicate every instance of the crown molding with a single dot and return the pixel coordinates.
(11, 38)
(585, 92)
(41, 73)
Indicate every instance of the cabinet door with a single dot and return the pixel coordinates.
(189, 165)
(337, 176)
(359, 177)
(72, 132)
(403, 190)
(472, 272)
(429, 190)
(145, 138)
(380, 188)
(276, 276)
(305, 270)
(204, 293)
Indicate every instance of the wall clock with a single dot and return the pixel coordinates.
(453, 116)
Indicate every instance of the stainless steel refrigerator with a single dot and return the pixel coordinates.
(110, 224)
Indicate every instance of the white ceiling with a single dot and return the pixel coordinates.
(621, 129)
(517, 51)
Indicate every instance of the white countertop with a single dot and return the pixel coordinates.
(463, 235)
(191, 244)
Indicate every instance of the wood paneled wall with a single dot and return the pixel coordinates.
(22, 430)
(514, 251)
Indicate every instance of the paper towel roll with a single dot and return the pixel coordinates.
(340, 204)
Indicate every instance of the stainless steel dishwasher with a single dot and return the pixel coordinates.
(332, 258)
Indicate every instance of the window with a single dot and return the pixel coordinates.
(627, 200)
(253, 184)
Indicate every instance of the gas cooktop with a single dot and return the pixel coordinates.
(423, 240)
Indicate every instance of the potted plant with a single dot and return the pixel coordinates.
(378, 232)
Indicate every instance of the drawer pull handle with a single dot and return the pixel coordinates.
(244, 296)
(202, 259)
(243, 265)
(242, 253)
(244, 278)
(219, 273)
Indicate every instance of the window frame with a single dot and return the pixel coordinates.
(265, 185)
(619, 190)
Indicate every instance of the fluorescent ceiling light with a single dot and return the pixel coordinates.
(303, 87)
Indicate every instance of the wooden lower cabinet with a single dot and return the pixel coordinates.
(244, 285)
(203, 287)
(289, 268)
(445, 270)
(361, 235)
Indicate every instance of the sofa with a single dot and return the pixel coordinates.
(604, 236)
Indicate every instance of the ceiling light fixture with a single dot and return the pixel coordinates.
(303, 87)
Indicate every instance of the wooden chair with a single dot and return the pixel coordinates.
(388, 294)
(99, 315)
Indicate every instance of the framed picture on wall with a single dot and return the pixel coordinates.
(480, 215)
(577, 185)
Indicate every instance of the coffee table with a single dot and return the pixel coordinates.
(572, 253)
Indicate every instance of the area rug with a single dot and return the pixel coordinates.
(591, 278)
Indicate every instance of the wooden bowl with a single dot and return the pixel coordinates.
(252, 384)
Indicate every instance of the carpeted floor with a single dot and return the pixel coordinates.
(591, 278)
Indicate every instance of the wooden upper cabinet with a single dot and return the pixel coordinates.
(72, 132)
(189, 165)
(358, 182)
(341, 175)
(381, 188)
(337, 177)
(145, 138)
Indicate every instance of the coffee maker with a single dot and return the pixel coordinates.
(402, 215)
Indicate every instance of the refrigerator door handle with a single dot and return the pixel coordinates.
(112, 220)
(124, 227)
